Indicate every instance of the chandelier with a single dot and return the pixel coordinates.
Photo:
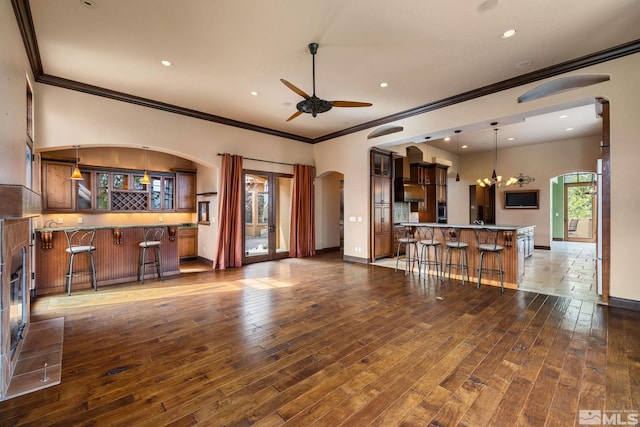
(495, 178)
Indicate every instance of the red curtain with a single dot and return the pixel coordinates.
(302, 240)
(230, 214)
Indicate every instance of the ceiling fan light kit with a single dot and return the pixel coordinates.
(312, 104)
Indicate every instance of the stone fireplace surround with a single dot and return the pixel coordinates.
(18, 205)
(15, 238)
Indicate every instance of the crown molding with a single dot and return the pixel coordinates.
(25, 23)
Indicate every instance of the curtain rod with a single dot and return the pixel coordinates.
(265, 161)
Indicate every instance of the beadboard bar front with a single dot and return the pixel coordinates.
(513, 256)
(117, 257)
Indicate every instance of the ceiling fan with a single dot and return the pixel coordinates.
(312, 104)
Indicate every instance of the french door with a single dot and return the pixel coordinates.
(267, 215)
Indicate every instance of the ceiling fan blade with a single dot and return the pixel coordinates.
(295, 88)
(350, 104)
(294, 115)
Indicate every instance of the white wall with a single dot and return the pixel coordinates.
(14, 72)
(330, 213)
(208, 234)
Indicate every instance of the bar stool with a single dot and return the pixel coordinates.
(487, 240)
(405, 237)
(80, 242)
(453, 243)
(152, 240)
(426, 240)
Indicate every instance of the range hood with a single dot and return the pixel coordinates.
(409, 192)
(405, 190)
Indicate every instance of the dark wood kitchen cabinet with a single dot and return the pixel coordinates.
(434, 179)
(186, 191)
(381, 204)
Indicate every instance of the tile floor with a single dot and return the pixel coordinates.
(568, 269)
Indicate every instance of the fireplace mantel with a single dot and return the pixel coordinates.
(19, 202)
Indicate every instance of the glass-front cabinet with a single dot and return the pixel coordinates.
(103, 190)
(162, 193)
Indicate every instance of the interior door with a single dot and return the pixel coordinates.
(267, 215)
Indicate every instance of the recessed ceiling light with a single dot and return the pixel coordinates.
(166, 63)
(88, 3)
(564, 116)
(508, 33)
(254, 93)
(384, 84)
(447, 139)
(511, 139)
(568, 129)
(465, 146)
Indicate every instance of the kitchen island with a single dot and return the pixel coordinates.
(517, 241)
(116, 256)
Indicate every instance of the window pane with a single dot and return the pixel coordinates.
(168, 193)
(29, 164)
(120, 181)
(248, 207)
(137, 185)
(102, 201)
(156, 193)
(263, 208)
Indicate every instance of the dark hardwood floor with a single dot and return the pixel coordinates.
(321, 342)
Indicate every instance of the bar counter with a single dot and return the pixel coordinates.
(116, 256)
(517, 241)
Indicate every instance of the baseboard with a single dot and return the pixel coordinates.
(205, 260)
(325, 250)
(558, 239)
(629, 304)
(355, 259)
(546, 248)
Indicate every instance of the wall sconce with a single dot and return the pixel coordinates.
(77, 175)
(523, 179)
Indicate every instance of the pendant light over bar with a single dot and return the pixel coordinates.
(77, 175)
(145, 178)
(458, 155)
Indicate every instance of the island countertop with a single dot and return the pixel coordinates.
(517, 241)
(471, 226)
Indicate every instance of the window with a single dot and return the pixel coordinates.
(29, 165)
(29, 112)
(203, 213)
(29, 147)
